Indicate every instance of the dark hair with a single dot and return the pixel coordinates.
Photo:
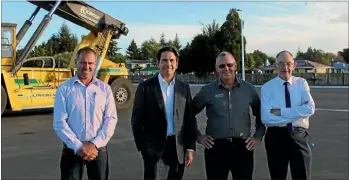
(281, 52)
(164, 49)
(84, 51)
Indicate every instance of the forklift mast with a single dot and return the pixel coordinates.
(77, 12)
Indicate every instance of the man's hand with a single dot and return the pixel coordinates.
(189, 158)
(206, 141)
(251, 143)
(88, 151)
(276, 112)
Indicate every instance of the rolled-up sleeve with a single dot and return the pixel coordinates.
(109, 121)
(60, 125)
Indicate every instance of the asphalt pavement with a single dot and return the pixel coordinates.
(31, 149)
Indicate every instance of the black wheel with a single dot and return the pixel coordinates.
(123, 91)
(3, 99)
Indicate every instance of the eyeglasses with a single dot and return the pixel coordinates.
(221, 66)
(282, 64)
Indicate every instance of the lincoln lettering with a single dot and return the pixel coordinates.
(43, 95)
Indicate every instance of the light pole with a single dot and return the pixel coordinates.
(242, 46)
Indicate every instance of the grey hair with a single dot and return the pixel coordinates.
(223, 54)
(281, 53)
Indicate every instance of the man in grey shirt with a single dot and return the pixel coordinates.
(228, 142)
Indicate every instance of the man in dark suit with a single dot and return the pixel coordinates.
(163, 125)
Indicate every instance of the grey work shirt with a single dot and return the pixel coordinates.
(228, 110)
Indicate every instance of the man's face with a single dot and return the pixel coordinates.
(226, 67)
(285, 66)
(167, 64)
(86, 65)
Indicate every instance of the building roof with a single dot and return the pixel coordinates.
(341, 65)
(310, 64)
(303, 64)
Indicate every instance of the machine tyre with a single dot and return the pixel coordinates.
(3, 99)
(123, 92)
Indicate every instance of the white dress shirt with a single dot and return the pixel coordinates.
(273, 97)
(84, 113)
(167, 90)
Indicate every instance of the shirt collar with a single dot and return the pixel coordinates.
(76, 79)
(162, 80)
(281, 81)
(236, 83)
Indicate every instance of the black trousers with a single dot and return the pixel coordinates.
(72, 165)
(284, 148)
(168, 167)
(229, 155)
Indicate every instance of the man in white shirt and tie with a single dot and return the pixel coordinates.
(286, 105)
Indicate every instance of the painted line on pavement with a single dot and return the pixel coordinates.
(333, 110)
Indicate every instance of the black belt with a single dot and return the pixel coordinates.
(231, 139)
(170, 137)
(284, 127)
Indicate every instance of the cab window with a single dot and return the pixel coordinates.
(6, 42)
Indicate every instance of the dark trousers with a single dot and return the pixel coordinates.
(285, 148)
(229, 155)
(168, 166)
(72, 165)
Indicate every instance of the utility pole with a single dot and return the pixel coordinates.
(242, 45)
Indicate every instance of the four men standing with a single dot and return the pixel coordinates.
(165, 128)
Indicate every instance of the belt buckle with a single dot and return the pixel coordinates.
(230, 139)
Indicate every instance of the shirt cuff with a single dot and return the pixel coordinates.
(77, 147)
(98, 142)
(285, 112)
(190, 150)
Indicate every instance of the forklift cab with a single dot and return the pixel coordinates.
(8, 45)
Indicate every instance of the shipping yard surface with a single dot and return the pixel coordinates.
(31, 149)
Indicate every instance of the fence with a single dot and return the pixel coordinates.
(335, 79)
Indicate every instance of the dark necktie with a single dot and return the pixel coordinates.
(288, 105)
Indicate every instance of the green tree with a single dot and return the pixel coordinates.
(149, 49)
(250, 63)
(315, 55)
(345, 54)
(118, 58)
(185, 63)
(170, 43)
(112, 49)
(259, 58)
(162, 40)
(271, 59)
(133, 52)
(202, 52)
(63, 41)
(176, 43)
(230, 35)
